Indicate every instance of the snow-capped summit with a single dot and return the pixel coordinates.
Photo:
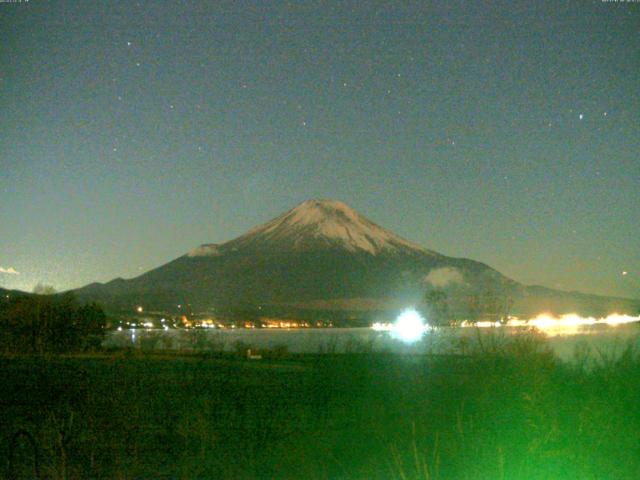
(320, 224)
(205, 250)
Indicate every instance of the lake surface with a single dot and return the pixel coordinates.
(597, 340)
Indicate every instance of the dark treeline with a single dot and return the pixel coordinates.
(49, 324)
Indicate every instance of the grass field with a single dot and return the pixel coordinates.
(508, 413)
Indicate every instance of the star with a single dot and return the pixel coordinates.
(625, 273)
(128, 44)
(581, 116)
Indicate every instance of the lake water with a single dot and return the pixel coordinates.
(599, 340)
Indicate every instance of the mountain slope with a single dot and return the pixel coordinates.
(319, 253)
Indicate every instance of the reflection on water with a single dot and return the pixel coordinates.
(600, 338)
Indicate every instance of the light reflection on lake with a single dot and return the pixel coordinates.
(600, 340)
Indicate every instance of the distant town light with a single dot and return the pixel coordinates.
(486, 324)
(567, 324)
(382, 327)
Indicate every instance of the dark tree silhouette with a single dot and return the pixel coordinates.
(436, 307)
(42, 289)
(50, 324)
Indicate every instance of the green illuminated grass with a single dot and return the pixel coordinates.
(505, 411)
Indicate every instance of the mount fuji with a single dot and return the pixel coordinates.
(323, 255)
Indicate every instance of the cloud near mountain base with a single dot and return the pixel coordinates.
(442, 277)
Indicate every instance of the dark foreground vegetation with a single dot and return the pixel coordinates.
(46, 324)
(507, 413)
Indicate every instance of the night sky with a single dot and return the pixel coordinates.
(506, 132)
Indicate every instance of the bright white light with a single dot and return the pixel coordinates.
(409, 327)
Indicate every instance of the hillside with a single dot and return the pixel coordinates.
(324, 255)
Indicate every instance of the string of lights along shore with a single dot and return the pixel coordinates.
(505, 132)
